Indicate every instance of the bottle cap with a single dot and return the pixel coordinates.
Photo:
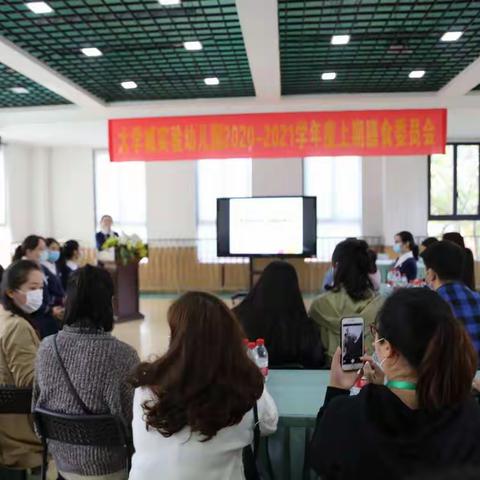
(260, 341)
(251, 345)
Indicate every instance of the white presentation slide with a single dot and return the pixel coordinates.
(266, 226)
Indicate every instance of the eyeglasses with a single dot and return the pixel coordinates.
(374, 332)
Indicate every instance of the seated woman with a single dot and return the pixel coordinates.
(69, 260)
(408, 250)
(21, 295)
(352, 294)
(423, 419)
(274, 310)
(96, 363)
(49, 315)
(193, 406)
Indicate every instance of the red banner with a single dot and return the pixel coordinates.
(270, 135)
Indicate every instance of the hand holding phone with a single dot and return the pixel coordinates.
(352, 343)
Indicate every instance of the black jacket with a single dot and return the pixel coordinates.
(374, 435)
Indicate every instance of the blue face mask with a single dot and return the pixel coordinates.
(397, 248)
(53, 256)
(44, 256)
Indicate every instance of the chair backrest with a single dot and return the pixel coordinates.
(15, 400)
(93, 430)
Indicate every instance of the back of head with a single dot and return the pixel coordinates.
(429, 241)
(407, 238)
(421, 327)
(446, 259)
(469, 472)
(205, 380)
(454, 237)
(352, 264)
(69, 249)
(13, 278)
(372, 255)
(89, 299)
(277, 289)
(30, 243)
(468, 275)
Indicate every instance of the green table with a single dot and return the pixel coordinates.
(299, 394)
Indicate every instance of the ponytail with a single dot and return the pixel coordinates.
(448, 367)
(19, 254)
(415, 251)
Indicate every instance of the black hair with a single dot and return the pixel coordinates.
(69, 248)
(89, 299)
(50, 241)
(468, 275)
(429, 241)
(352, 265)
(407, 237)
(372, 255)
(446, 259)
(274, 310)
(420, 325)
(13, 278)
(106, 216)
(30, 243)
(469, 472)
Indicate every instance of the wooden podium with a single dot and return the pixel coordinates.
(127, 291)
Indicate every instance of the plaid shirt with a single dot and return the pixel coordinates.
(465, 304)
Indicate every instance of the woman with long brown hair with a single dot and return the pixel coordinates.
(423, 417)
(193, 406)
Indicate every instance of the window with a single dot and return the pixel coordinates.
(454, 183)
(337, 184)
(120, 191)
(454, 193)
(220, 178)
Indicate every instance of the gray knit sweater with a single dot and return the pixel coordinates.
(98, 365)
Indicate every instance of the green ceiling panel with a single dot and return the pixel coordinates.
(141, 41)
(389, 39)
(36, 96)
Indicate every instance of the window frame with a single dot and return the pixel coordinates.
(454, 216)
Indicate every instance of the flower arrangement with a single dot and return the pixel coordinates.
(128, 249)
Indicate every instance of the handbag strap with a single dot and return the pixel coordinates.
(256, 431)
(75, 394)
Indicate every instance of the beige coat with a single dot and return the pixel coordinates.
(328, 309)
(19, 446)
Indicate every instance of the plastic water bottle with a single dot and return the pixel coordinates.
(262, 357)
(252, 352)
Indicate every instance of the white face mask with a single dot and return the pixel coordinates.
(34, 301)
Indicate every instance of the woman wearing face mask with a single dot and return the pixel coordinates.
(21, 295)
(69, 260)
(50, 313)
(407, 250)
(423, 417)
(53, 251)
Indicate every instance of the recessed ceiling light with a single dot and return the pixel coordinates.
(340, 39)
(416, 74)
(211, 81)
(92, 52)
(451, 36)
(193, 45)
(39, 7)
(329, 76)
(19, 90)
(170, 2)
(129, 85)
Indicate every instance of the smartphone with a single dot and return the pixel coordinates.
(352, 342)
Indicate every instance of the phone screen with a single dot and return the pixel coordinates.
(352, 343)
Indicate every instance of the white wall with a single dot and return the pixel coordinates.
(277, 176)
(171, 200)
